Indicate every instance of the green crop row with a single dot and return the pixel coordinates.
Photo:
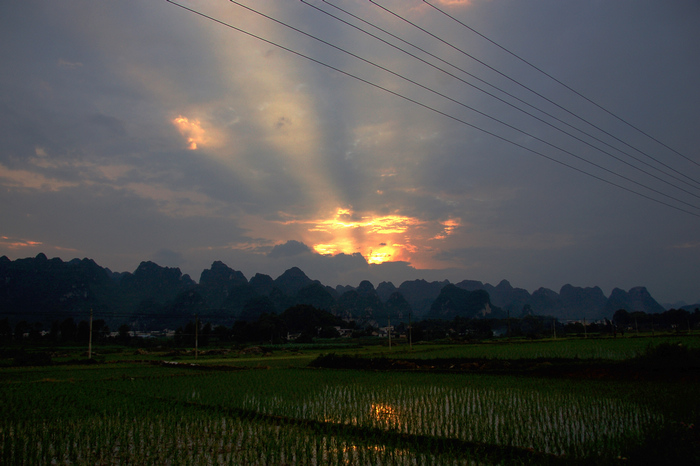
(616, 349)
(142, 413)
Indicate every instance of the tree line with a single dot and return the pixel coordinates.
(305, 324)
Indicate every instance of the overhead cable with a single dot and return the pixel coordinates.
(462, 104)
(518, 83)
(433, 109)
(561, 83)
(505, 101)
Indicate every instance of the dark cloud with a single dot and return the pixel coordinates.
(113, 126)
(289, 249)
(92, 164)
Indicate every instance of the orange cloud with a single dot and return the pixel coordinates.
(455, 2)
(448, 227)
(16, 243)
(383, 253)
(191, 130)
(25, 179)
(379, 238)
(422, 6)
(25, 246)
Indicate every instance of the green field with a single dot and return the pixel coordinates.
(269, 407)
(583, 348)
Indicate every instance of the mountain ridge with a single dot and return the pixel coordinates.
(34, 287)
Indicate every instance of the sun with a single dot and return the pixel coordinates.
(379, 238)
(381, 254)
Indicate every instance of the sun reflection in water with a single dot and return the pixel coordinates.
(385, 415)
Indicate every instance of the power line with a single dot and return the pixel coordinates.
(411, 100)
(554, 117)
(503, 100)
(515, 81)
(429, 89)
(561, 83)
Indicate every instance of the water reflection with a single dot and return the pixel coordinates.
(384, 415)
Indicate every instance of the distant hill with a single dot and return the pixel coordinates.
(691, 307)
(45, 290)
(457, 302)
(637, 299)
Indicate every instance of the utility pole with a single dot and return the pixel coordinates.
(508, 310)
(389, 329)
(585, 330)
(196, 337)
(410, 342)
(90, 339)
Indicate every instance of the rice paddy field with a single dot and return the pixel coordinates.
(615, 349)
(138, 407)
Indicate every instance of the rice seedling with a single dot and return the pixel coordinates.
(129, 413)
(616, 349)
(559, 424)
(190, 438)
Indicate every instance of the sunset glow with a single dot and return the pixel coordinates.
(346, 219)
(28, 179)
(385, 414)
(14, 243)
(381, 254)
(191, 130)
(448, 227)
(189, 133)
(378, 238)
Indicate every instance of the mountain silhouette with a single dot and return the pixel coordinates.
(45, 290)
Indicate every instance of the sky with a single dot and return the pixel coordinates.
(420, 143)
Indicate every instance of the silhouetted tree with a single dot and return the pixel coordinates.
(307, 318)
(185, 336)
(328, 332)
(55, 332)
(622, 318)
(35, 332)
(5, 331)
(223, 333)
(240, 332)
(68, 330)
(100, 331)
(532, 326)
(21, 328)
(270, 328)
(205, 335)
(124, 333)
(83, 333)
(574, 328)
(678, 319)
